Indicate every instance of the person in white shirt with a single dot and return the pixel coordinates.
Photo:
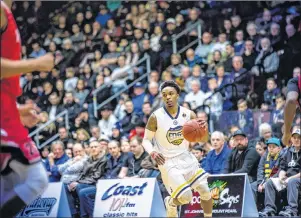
(196, 97)
(108, 120)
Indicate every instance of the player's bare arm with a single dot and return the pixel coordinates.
(289, 114)
(11, 68)
(150, 130)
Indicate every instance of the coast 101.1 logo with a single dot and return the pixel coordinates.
(38, 208)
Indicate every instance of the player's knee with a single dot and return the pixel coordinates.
(204, 191)
(186, 197)
(39, 182)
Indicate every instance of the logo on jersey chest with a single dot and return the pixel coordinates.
(175, 136)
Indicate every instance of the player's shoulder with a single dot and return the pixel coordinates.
(187, 111)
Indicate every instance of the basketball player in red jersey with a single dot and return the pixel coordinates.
(23, 176)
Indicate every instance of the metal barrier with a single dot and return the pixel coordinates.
(36, 132)
(184, 32)
(95, 104)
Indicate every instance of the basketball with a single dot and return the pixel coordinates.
(192, 131)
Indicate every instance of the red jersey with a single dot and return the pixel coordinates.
(13, 133)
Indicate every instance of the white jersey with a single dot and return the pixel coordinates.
(169, 140)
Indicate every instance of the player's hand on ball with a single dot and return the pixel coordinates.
(158, 157)
(202, 123)
(28, 114)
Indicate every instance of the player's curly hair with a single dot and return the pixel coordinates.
(170, 83)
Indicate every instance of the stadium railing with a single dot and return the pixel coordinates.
(184, 32)
(36, 133)
(97, 106)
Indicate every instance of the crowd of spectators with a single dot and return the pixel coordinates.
(234, 77)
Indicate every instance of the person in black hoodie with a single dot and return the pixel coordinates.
(289, 178)
(243, 158)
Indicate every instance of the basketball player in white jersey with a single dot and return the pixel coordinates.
(165, 143)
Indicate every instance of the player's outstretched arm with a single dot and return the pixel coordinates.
(289, 114)
(11, 68)
(150, 130)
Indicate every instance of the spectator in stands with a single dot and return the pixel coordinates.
(205, 48)
(134, 161)
(261, 148)
(112, 30)
(276, 38)
(166, 40)
(68, 53)
(55, 108)
(96, 133)
(296, 72)
(243, 158)
(94, 169)
(88, 76)
(214, 99)
(267, 61)
(63, 135)
(288, 178)
(216, 158)
(55, 158)
(176, 66)
(139, 95)
(230, 53)
(214, 60)
(271, 92)
(47, 88)
(277, 115)
(249, 55)
(120, 74)
(71, 81)
(107, 121)
(239, 42)
(220, 45)
(268, 166)
(80, 93)
(244, 117)
(147, 111)
(200, 153)
(236, 23)
(110, 58)
(192, 59)
(293, 39)
(221, 78)
(153, 96)
(127, 121)
(30, 88)
(116, 132)
(37, 50)
(139, 129)
(252, 34)
(194, 17)
(103, 15)
(72, 169)
(116, 162)
(265, 131)
(240, 76)
(266, 22)
(71, 106)
(77, 38)
(155, 39)
(148, 50)
(196, 97)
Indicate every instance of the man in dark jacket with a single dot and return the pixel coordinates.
(288, 179)
(93, 170)
(243, 158)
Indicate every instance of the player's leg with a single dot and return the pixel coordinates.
(179, 189)
(21, 186)
(197, 179)
(206, 201)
